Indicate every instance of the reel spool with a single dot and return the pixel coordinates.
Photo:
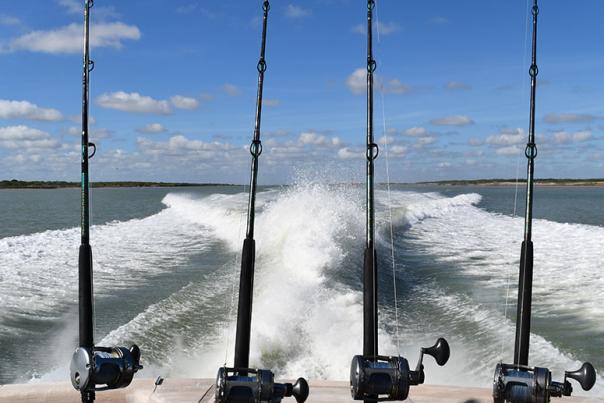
(245, 385)
(521, 384)
(372, 376)
(113, 367)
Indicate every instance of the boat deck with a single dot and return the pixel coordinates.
(202, 390)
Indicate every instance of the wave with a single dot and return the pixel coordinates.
(453, 263)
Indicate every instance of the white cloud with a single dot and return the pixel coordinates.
(181, 146)
(557, 118)
(507, 137)
(271, 102)
(386, 140)
(475, 142)
(312, 138)
(77, 7)
(195, 7)
(357, 81)
(395, 86)
(69, 39)
(424, 141)
(457, 85)
(510, 150)
(455, 120)
(346, 154)
(562, 137)
(94, 134)
(386, 28)
(397, 150)
(133, 102)
(182, 102)
(152, 128)
(23, 137)
(582, 135)
(439, 20)
(416, 131)
(26, 110)
(294, 11)
(444, 164)
(231, 90)
(360, 29)
(8, 20)
(205, 97)
(72, 6)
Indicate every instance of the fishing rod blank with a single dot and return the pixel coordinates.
(94, 368)
(518, 382)
(375, 377)
(241, 383)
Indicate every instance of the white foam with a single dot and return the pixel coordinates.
(307, 320)
(38, 274)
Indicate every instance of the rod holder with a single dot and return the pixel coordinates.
(102, 368)
(522, 384)
(388, 378)
(247, 385)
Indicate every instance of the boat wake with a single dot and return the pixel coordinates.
(174, 275)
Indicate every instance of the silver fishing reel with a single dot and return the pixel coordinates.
(522, 384)
(245, 385)
(113, 367)
(390, 377)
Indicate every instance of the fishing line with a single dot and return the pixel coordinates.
(523, 94)
(385, 136)
(236, 263)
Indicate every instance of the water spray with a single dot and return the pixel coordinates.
(243, 384)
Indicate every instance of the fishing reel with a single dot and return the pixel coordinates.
(245, 385)
(113, 367)
(372, 376)
(522, 384)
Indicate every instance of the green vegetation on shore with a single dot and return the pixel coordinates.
(17, 184)
(507, 182)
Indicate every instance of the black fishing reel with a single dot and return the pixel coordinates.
(246, 385)
(113, 367)
(522, 384)
(372, 376)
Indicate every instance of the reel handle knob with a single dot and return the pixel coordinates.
(586, 376)
(440, 351)
(300, 390)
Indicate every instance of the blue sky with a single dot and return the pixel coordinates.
(173, 91)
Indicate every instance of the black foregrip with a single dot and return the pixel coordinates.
(370, 303)
(523, 317)
(244, 312)
(86, 306)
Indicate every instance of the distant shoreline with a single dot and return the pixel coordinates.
(16, 184)
(596, 182)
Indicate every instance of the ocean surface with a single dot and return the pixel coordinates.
(166, 267)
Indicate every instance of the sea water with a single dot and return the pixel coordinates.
(166, 271)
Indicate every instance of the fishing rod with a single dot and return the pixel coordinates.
(375, 377)
(518, 382)
(243, 384)
(94, 368)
